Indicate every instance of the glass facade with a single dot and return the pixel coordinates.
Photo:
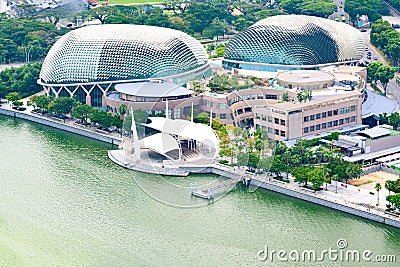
(122, 52)
(293, 40)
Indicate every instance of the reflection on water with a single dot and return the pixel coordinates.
(63, 203)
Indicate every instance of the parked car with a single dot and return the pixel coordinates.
(375, 57)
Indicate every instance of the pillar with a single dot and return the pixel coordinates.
(88, 100)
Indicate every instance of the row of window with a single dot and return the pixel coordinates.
(252, 97)
(272, 131)
(329, 113)
(329, 124)
(214, 105)
(270, 119)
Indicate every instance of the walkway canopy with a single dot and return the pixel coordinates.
(160, 143)
(185, 129)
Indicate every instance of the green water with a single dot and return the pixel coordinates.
(64, 203)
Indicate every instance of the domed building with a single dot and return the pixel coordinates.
(289, 42)
(87, 62)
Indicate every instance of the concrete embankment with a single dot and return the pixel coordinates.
(61, 126)
(327, 203)
(309, 196)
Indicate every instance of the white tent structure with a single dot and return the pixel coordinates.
(168, 141)
(161, 143)
(186, 130)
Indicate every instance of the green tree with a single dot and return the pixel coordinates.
(285, 97)
(278, 165)
(203, 117)
(82, 112)
(41, 101)
(393, 50)
(122, 110)
(384, 75)
(353, 171)
(62, 106)
(373, 69)
(394, 120)
(333, 136)
(13, 97)
(316, 177)
(300, 174)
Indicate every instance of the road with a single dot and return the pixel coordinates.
(340, 12)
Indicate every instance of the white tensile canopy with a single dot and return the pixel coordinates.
(161, 143)
(185, 129)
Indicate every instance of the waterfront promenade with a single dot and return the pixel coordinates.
(342, 200)
(339, 198)
(67, 125)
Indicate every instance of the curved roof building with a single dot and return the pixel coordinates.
(293, 42)
(104, 55)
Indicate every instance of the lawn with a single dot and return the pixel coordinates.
(123, 2)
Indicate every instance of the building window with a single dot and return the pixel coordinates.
(329, 124)
(264, 127)
(257, 126)
(305, 118)
(318, 116)
(341, 122)
(213, 104)
(341, 111)
(335, 123)
(353, 108)
(283, 122)
(207, 103)
(323, 114)
(257, 116)
(353, 119)
(222, 105)
(324, 126)
(269, 130)
(269, 119)
(260, 96)
(276, 120)
(276, 132)
(335, 112)
(222, 116)
(330, 113)
(177, 113)
(305, 130)
(318, 127)
(264, 118)
(347, 120)
(312, 128)
(312, 117)
(158, 112)
(271, 97)
(283, 133)
(347, 110)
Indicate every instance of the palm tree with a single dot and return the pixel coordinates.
(320, 154)
(306, 156)
(378, 187)
(287, 156)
